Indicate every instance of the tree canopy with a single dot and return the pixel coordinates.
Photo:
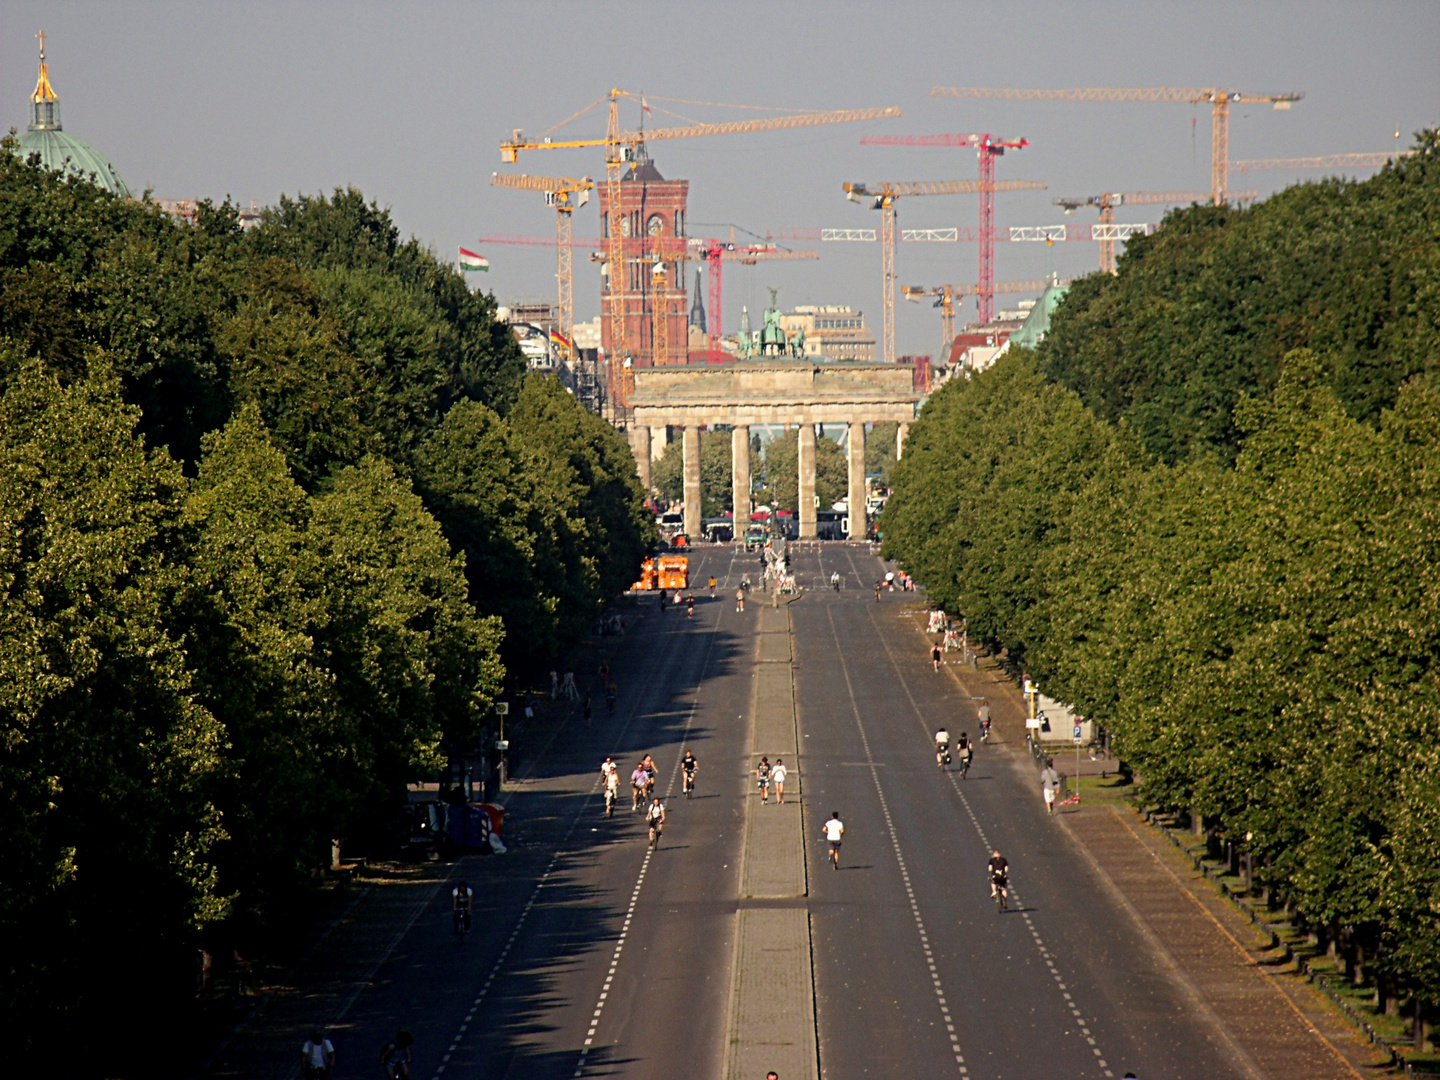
(281, 512)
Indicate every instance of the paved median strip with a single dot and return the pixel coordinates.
(772, 993)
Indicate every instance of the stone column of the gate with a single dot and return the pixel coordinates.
(770, 391)
(855, 499)
(806, 495)
(691, 458)
(640, 447)
(740, 475)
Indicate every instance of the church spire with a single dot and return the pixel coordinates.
(44, 102)
(697, 309)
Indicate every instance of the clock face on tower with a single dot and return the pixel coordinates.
(625, 226)
(654, 225)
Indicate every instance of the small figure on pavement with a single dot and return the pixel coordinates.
(740, 599)
(1050, 784)
(317, 1056)
(935, 657)
(777, 777)
(834, 833)
(762, 778)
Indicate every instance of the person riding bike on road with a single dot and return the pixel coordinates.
(689, 766)
(965, 749)
(638, 779)
(462, 903)
(999, 870)
(835, 580)
(656, 817)
(395, 1056)
(942, 747)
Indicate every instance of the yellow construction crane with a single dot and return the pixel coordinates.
(949, 295)
(882, 197)
(1218, 99)
(1106, 232)
(566, 195)
(1327, 161)
(620, 146)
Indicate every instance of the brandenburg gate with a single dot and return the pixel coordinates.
(769, 391)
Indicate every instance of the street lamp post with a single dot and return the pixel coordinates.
(502, 709)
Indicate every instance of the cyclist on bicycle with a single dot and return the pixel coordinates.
(638, 779)
(984, 719)
(689, 607)
(999, 870)
(651, 771)
(966, 750)
(462, 901)
(942, 747)
(835, 580)
(395, 1056)
(689, 765)
(610, 776)
(656, 817)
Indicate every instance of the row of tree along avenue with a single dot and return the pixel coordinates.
(1206, 511)
(280, 513)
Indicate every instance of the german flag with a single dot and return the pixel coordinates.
(559, 340)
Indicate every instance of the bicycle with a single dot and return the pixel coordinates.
(610, 795)
(461, 920)
(689, 784)
(1002, 891)
(964, 763)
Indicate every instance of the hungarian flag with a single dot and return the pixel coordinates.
(559, 339)
(469, 260)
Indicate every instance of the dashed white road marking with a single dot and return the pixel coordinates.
(1045, 953)
(900, 859)
(545, 879)
(645, 864)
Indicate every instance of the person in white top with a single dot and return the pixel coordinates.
(777, 777)
(834, 832)
(1049, 784)
(317, 1056)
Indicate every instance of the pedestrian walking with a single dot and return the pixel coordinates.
(317, 1056)
(1049, 784)
(935, 657)
(777, 777)
(762, 778)
(740, 599)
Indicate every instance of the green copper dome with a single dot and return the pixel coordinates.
(57, 150)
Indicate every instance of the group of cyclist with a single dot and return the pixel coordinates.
(964, 749)
(642, 789)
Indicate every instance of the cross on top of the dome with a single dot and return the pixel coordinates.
(44, 102)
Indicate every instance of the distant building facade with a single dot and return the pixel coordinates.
(832, 332)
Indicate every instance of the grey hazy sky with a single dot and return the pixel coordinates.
(408, 101)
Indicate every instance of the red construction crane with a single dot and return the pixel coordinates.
(1220, 102)
(718, 252)
(987, 149)
(883, 197)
